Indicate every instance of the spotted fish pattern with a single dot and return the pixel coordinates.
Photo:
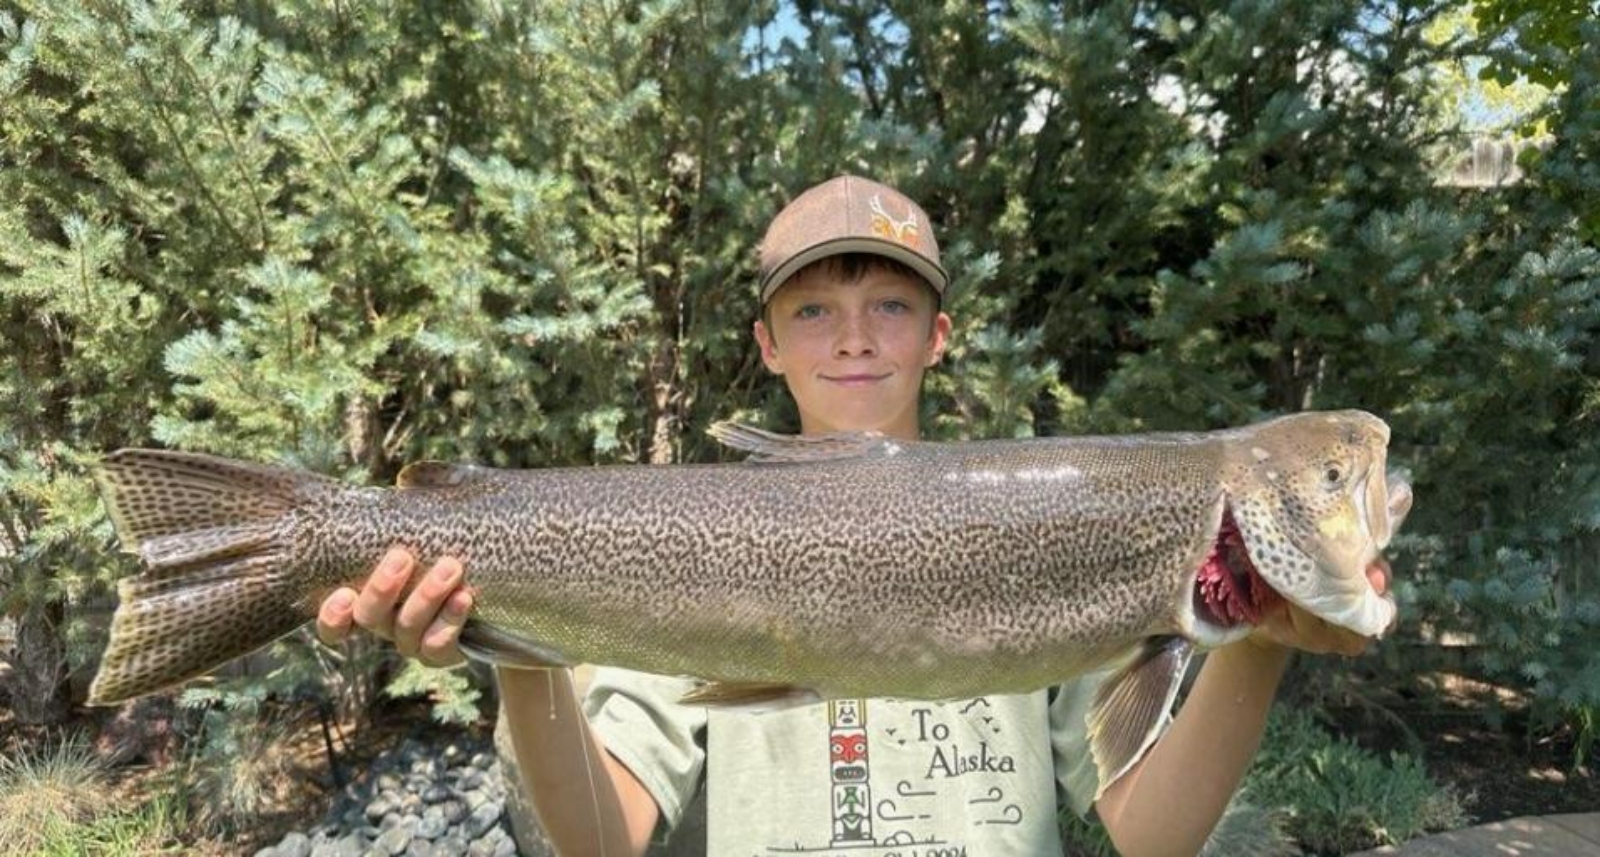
(845, 566)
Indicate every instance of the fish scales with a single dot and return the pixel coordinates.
(844, 566)
(938, 560)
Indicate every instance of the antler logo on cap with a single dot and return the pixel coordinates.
(904, 231)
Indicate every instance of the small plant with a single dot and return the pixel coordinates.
(1084, 837)
(47, 791)
(1339, 797)
(154, 827)
(1247, 829)
(240, 768)
(454, 696)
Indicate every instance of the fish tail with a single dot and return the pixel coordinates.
(216, 539)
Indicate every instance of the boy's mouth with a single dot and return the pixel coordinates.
(856, 378)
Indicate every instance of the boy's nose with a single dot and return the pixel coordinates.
(854, 338)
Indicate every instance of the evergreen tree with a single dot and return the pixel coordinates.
(348, 237)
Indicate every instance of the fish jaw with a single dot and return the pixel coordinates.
(1315, 508)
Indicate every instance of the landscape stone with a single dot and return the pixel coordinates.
(295, 844)
(394, 841)
(432, 826)
(483, 818)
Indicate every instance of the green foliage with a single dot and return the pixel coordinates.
(1538, 36)
(53, 800)
(521, 233)
(455, 698)
(1248, 829)
(1081, 837)
(238, 767)
(48, 788)
(1340, 798)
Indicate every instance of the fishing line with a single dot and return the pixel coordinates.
(588, 767)
(550, 688)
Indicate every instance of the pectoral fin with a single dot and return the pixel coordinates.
(753, 696)
(1127, 713)
(490, 644)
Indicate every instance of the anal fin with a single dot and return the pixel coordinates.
(1128, 710)
(492, 645)
(750, 696)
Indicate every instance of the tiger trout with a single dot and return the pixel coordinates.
(847, 565)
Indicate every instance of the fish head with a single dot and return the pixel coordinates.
(1315, 506)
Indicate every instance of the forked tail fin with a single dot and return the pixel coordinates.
(215, 536)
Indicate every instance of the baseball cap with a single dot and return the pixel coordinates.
(849, 214)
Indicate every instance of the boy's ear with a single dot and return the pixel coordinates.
(938, 338)
(769, 348)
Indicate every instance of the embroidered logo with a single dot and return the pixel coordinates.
(905, 231)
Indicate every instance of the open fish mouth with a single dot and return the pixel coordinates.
(1228, 590)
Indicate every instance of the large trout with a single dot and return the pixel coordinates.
(844, 565)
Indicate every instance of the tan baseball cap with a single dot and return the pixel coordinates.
(849, 214)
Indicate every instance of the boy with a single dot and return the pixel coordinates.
(850, 293)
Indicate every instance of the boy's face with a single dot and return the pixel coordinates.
(853, 353)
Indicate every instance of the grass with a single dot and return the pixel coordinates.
(242, 772)
(53, 801)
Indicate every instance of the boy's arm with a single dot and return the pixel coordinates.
(576, 786)
(1169, 802)
(558, 755)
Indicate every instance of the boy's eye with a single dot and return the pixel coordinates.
(895, 306)
(808, 311)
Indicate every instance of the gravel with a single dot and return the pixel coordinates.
(415, 800)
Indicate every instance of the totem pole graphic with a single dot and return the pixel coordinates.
(847, 760)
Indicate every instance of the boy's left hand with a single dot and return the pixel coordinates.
(1291, 627)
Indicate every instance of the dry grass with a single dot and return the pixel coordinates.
(48, 790)
(249, 777)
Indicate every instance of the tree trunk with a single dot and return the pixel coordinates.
(40, 694)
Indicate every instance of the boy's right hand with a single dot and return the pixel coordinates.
(426, 626)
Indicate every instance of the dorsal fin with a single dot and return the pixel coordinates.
(439, 474)
(766, 446)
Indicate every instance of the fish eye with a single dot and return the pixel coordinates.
(1332, 474)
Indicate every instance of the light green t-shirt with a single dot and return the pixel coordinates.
(866, 778)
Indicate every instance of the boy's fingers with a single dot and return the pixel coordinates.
(334, 616)
(439, 643)
(424, 604)
(375, 605)
(1299, 629)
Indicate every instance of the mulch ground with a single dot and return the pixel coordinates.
(1502, 771)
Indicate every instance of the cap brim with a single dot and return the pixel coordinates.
(929, 271)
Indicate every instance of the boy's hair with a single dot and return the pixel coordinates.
(850, 268)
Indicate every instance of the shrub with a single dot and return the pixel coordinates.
(1339, 797)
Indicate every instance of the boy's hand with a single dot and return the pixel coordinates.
(1294, 628)
(426, 626)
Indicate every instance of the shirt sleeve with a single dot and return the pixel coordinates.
(1069, 738)
(641, 723)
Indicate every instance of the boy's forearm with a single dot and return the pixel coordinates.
(587, 801)
(1170, 801)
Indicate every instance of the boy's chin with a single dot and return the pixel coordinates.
(846, 419)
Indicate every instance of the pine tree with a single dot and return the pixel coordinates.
(523, 234)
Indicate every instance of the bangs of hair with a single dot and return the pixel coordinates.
(851, 267)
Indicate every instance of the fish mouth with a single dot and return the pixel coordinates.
(1228, 590)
